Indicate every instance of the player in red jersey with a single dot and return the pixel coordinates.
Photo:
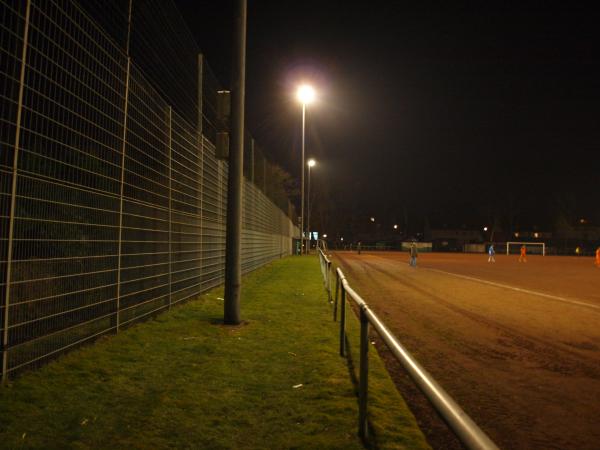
(523, 255)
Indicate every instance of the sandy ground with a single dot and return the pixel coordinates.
(516, 344)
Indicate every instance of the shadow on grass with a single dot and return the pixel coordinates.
(218, 321)
(371, 440)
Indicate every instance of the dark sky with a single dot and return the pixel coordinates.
(440, 112)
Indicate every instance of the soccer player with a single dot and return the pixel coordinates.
(598, 257)
(523, 255)
(492, 253)
(413, 254)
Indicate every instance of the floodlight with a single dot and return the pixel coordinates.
(311, 163)
(306, 94)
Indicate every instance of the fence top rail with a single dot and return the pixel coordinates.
(324, 256)
(463, 426)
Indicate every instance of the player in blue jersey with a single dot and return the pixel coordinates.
(492, 254)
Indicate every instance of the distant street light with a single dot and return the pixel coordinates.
(310, 163)
(484, 228)
(395, 227)
(372, 219)
(306, 95)
(324, 236)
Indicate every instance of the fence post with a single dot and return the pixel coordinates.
(335, 299)
(363, 387)
(170, 112)
(343, 323)
(200, 126)
(264, 180)
(123, 148)
(327, 280)
(252, 160)
(13, 197)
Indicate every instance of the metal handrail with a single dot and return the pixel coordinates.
(326, 271)
(467, 431)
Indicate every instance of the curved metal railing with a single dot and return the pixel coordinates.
(467, 431)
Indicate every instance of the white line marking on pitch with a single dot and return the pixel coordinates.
(526, 291)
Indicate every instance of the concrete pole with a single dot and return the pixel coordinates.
(303, 249)
(233, 248)
(308, 213)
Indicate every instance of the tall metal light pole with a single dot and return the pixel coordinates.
(233, 245)
(306, 94)
(311, 162)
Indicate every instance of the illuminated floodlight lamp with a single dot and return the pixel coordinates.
(395, 227)
(324, 236)
(306, 94)
(311, 163)
(341, 239)
(484, 228)
(516, 234)
(372, 219)
(536, 235)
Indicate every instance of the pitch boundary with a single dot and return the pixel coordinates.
(525, 291)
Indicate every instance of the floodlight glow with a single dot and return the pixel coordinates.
(372, 219)
(306, 94)
(484, 228)
(516, 234)
(341, 239)
(311, 163)
(395, 227)
(536, 235)
(324, 236)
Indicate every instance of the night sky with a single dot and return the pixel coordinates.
(450, 114)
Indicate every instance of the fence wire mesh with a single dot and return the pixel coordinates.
(112, 204)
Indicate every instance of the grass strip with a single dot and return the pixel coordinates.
(183, 380)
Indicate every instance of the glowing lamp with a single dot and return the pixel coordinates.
(306, 94)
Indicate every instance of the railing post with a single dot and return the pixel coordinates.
(13, 198)
(343, 323)
(329, 281)
(335, 299)
(363, 388)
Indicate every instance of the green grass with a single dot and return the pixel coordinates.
(183, 380)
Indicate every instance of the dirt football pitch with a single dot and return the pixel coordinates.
(516, 344)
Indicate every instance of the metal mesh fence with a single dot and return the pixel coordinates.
(112, 204)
